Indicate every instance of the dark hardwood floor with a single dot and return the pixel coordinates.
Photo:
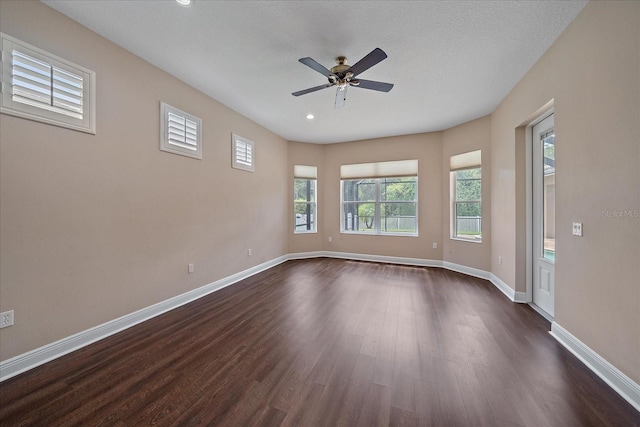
(325, 342)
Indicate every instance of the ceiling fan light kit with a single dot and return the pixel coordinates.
(343, 75)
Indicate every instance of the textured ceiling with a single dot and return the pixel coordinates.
(450, 61)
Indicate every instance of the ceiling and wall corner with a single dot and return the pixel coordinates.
(451, 62)
(591, 72)
(469, 136)
(95, 227)
(50, 258)
(427, 149)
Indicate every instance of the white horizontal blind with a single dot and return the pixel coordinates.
(392, 169)
(472, 159)
(243, 153)
(305, 172)
(40, 86)
(182, 132)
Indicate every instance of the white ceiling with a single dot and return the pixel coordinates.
(450, 61)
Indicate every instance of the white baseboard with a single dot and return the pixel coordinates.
(31, 359)
(384, 259)
(541, 312)
(9, 368)
(622, 384)
(469, 271)
(519, 297)
(306, 255)
(26, 361)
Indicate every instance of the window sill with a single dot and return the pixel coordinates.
(460, 239)
(380, 234)
(305, 232)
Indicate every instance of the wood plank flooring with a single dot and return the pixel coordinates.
(325, 342)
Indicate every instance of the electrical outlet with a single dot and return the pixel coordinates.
(191, 268)
(249, 252)
(330, 239)
(500, 260)
(6, 319)
(435, 245)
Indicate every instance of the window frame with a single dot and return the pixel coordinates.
(311, 206)
(32, 111)
(378, 202)
(165, 140)
(238, 163)
(454, 206)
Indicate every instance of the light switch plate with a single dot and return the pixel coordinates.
(577, 229)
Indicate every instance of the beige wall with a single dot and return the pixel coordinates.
(433, 151)
(311, 155)
(96, 227)
(592, 72)
(427, 148)
(471, 136)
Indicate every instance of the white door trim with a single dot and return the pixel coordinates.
(542, 268)
(538, 116)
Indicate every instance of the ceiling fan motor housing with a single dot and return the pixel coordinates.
(341, 75)
(341, 69)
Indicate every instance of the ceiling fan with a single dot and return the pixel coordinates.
(343, 75)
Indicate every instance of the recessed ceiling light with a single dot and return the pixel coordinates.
(184, 2)
(310, 116)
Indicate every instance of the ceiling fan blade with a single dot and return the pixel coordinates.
(373, 85)
(311, 89)
(313, 64)
(375, 56)
(341, 96)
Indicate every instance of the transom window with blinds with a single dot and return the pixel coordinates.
(40, 86)
(243, 153)
(180, 132)
(380, 198)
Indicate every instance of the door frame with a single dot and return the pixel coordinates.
(542, 113)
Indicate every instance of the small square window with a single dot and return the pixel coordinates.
(243, 153)
(40, 86)
(180, 132)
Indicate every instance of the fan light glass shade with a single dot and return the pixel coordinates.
(184, 2)
(310, 116)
